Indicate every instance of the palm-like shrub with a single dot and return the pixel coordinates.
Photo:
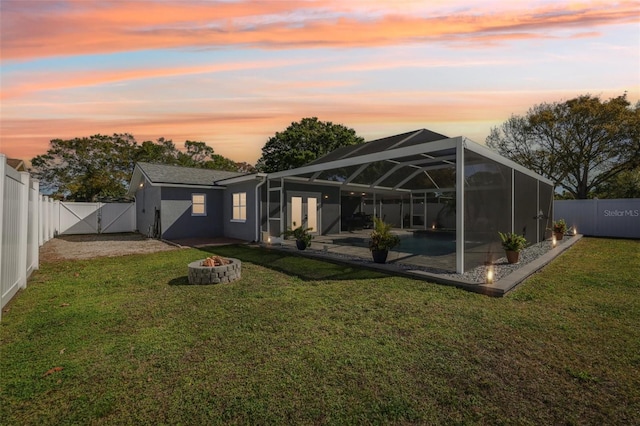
(381, 237)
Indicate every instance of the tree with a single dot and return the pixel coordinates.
(579, 144)
(162, 151)
(84, 169)
(303, 142)
(96, 167)
(624, 185)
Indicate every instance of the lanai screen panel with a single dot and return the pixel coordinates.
(546, 206)
(526, 210)
(487, 208)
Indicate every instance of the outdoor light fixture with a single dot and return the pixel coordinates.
(326, 197)
(433, 226)
(575, 231)
(141, 184)
(490, 272)
(554, 242)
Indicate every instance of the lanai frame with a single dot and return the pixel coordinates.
(509, 200)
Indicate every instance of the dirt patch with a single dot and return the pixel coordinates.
(100, 245)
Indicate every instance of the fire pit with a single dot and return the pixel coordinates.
(214, 270)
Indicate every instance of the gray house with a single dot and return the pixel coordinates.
(178, 202)
(449, 191)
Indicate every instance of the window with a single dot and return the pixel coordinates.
(239, 206)
(198, 204)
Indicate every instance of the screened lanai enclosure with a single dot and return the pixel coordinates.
(446, 197)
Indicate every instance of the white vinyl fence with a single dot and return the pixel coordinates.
(21, 233)
(29, 219)
(619, 218)
(95, 218)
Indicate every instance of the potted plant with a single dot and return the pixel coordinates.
(302, 236)
(559, 228)
(382, 240)
(512, 245)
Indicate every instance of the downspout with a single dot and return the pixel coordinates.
(258, 205)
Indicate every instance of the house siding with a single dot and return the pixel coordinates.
(177, 220)
(147, 201)
(240, 230)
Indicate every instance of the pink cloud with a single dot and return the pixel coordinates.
(241, 131)
(42, 81)
(96, 27)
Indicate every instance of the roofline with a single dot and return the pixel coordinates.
(185, 185)
(244, 178)
(438, 145)
(492, 155)
(139, 174)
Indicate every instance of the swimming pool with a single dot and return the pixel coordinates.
(428, 243)
(425, 243)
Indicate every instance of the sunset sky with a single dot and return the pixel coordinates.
(231, 73)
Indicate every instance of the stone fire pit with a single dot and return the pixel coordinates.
(201, 273)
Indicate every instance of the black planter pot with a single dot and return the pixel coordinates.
(301, 244)
(379, 256)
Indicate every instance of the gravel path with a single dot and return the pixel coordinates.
(67, 247)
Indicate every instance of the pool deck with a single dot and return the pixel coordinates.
(323, 248)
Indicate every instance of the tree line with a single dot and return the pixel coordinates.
(588, 147)
(100, 166)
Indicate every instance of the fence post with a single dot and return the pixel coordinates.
(52, 228)
(40, 220)
(3, 164)
(56, 217)
(35, 221)
(22, 233)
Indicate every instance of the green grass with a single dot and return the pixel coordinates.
(309, 342)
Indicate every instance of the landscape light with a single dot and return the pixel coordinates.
(489, 275)
(554, 242)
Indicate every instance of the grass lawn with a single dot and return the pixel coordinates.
(309, 342)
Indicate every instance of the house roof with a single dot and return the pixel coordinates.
(176, 176)
(17, 164)
(161, 173)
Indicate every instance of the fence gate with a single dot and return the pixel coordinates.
(96, 218)
(117, 217)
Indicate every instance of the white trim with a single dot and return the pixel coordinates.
(460, 205)
(423, 148)
(240, 179)
(492, 155)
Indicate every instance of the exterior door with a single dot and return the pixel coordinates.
(304, 210)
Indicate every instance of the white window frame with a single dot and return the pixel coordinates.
(194, 204)
(239, 207)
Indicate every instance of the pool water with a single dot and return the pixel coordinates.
(428, 243)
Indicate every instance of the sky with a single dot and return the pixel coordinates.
(232, 73)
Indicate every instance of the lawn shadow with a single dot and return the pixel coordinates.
(305, 268)
(184, 280)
